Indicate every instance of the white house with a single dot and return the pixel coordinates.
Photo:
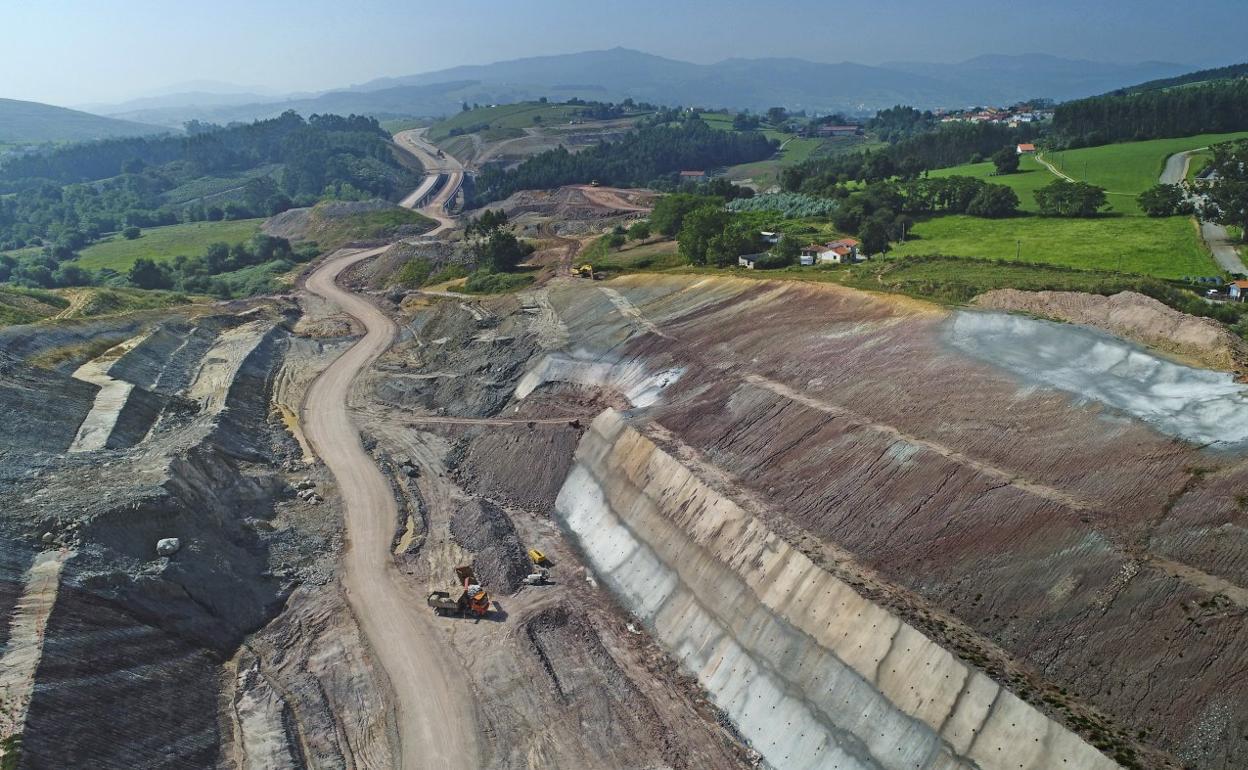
(770, 238)
(839, 252)
(747, 260)
(1238, 290)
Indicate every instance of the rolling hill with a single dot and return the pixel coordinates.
(619, 73)
(34, 122)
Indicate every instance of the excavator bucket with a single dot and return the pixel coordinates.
(465, 575)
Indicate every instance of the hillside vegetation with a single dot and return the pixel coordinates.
(32, 122)
(164, 243)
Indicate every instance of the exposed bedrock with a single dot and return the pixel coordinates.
(1090, 555)
(812, 673)
(129, 670)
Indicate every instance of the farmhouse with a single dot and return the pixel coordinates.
(839, 252)
(1238, 290)
(1025, 149)
(748, 260)
(838, 130)
(693, 176)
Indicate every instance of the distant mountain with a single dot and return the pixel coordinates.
(35, 122)
(620, 73)
(1007, 78)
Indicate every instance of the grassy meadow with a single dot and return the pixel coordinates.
(164, 243)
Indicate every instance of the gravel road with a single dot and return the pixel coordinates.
(1215, 236)
(434, 712)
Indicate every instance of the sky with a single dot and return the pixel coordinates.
(75, 52)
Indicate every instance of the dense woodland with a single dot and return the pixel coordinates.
(940, 147)
(73, 194)
(1217, 107)
(651, 155)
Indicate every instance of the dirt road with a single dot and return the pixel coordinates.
(436, 717)
(1216, 238)
(414, 142)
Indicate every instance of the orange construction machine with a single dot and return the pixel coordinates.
(474, 601)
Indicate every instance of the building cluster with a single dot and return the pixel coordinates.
(1018, 115)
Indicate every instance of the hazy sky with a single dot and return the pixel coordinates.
(75, 51)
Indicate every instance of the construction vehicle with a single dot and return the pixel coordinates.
(539, 578)
(586, 271)
(537, 557)
(473, 601)
(594, 183)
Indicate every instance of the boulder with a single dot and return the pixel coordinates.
(168, 546)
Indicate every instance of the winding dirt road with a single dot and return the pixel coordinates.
(435, 715)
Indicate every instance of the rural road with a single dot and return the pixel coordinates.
(414, 142)
(1215, 236)
(434, 712)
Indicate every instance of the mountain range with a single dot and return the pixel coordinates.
(619, 73)
(22, 121)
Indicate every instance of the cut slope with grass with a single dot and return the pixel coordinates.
(164, 243)
(505, 116)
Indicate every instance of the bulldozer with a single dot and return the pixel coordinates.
(473, 601)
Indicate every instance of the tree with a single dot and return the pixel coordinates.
(777, 115)
(71, 274)
(639, 231)
(670, 211)
(131, 233)
(501, 252)
(993, 201)
(745, 122)
(874, 236)
(486, 224)
(787, 251)
(1227, 192)
(699, 227)
(146, 274)
(1006, 160)
(1163, 200)
(735, 239)
(1070, 199)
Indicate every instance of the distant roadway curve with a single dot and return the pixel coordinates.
(434, 712)
(414, 142)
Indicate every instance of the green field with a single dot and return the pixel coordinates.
(1128, 169)
(1166, 248)
(164, 243)
(1031, 176)
(506, 116)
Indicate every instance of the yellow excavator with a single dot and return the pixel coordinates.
(586, 271)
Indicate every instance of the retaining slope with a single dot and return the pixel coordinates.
(814, 675)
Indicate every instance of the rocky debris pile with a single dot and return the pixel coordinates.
(1136, 317)
(305, 490)
(500, 560)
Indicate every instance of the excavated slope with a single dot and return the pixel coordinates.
(813, 674)
(1087, 545)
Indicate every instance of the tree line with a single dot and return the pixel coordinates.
(946, 145)
(650, 155)
(1217, 107)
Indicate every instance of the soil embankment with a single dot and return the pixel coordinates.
(1202, 341)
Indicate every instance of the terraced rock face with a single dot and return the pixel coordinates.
(114, 660)
(1078, 548)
